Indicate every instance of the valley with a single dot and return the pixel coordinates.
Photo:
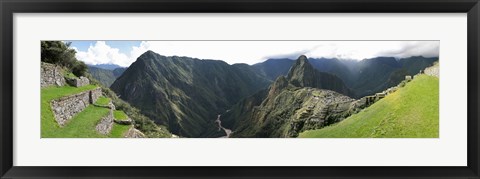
(228, 132)
(386, 89)
(276, 98)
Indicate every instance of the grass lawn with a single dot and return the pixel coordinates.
(120, 115)
(118, 130)
(70, 75)
(102, 101)
(80, 126)
(54, 92)
(410, 112)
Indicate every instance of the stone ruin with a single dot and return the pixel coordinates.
(78, 82)
(51, 74)
(134, 133)
(106, 123)
(408, 77)
(433, 70)
(66, 107)
(309, 121)
(95, 94)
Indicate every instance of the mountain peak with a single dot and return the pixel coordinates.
(148, 54)
(301, 70)
(302, 74)
(149, 51)
(302, 59)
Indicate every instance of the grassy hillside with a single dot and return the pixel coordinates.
(80, 126)
(410, 112)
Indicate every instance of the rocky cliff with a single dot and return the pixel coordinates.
(302, 74)
(304, 99)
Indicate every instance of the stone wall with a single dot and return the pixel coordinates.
(106, 123)
(66, 107)
(433, 70)
(51, 74)
(127, 121)
(95, 94)
(78, 82)
(134, 133)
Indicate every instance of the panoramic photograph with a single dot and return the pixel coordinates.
(239, 89)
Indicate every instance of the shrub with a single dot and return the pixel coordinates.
(60, 53)
(109, 93)
(141, 122)
(93, 81)
(79, 68)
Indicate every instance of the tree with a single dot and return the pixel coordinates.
(79, 68)
(60, 53)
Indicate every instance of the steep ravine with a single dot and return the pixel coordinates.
(220, 127)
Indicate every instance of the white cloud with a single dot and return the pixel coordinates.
(252, 52)
(101, 53)
(408, 49)
(359, 50)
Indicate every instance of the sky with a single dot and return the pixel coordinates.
(124, 53)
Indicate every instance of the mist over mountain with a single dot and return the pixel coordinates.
(363, 77)
(273, 68)
(107, 66)
(302, 74)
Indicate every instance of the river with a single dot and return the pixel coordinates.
(220, 127)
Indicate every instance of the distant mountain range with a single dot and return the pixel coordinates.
(187, 94)
(273, 112)
(363, 77)
(105, 76)
(107, 66)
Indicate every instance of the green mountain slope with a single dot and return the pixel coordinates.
(304, 99)
(104, 76)
(117, 72)
(410, 112)
(273, 68)
(186, 94)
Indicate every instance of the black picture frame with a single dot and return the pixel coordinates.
(9, 7)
